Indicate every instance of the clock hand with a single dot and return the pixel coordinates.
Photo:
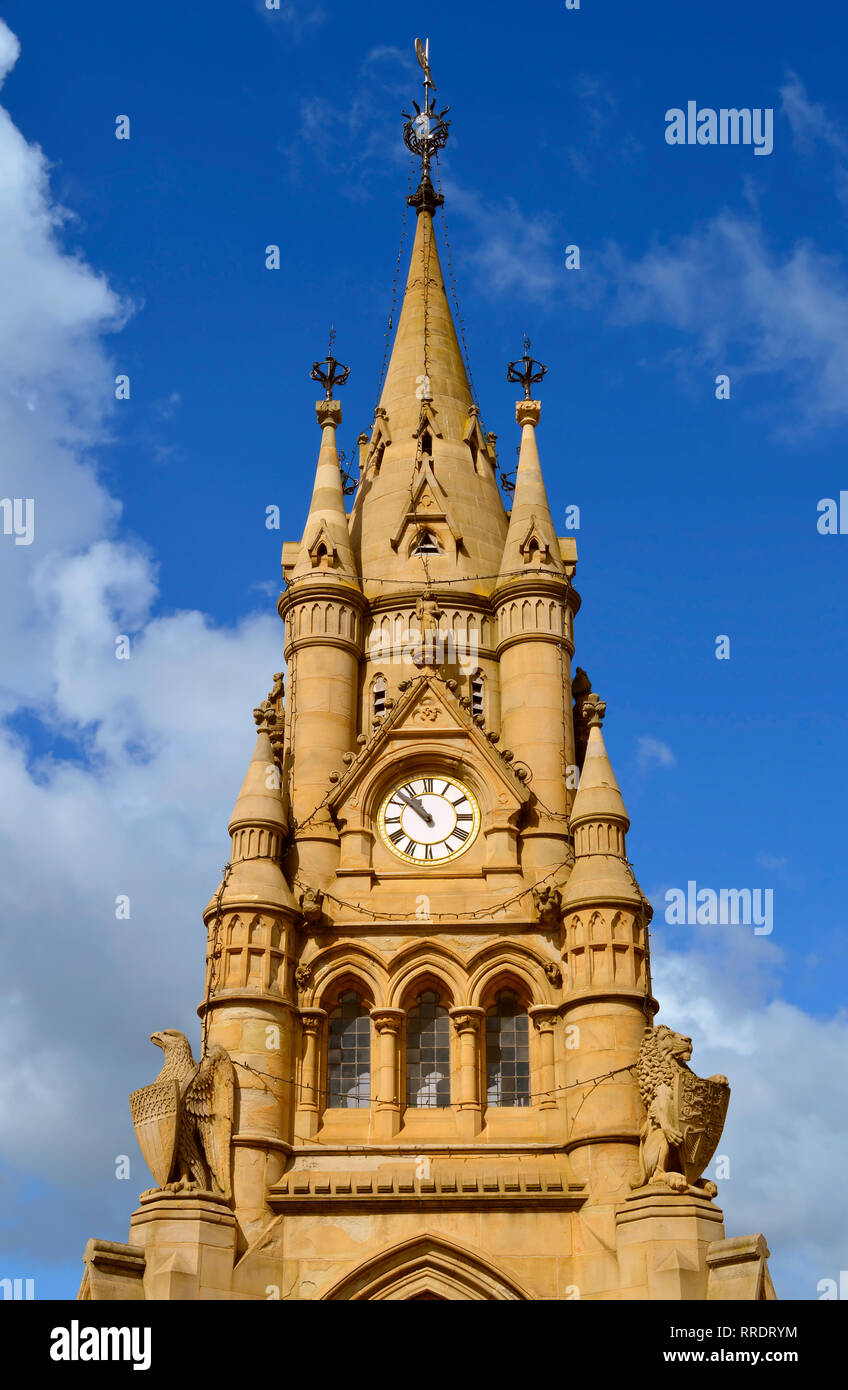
(417, 806)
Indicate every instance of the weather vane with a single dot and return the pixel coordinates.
(525, 370)
(425, 133)
(330, 372)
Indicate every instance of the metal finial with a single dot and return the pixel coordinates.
(526, 370)
(424, 134)
(330, 372)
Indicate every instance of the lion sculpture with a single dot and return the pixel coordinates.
(685, 1114)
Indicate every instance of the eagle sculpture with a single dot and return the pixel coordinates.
(184, 1119)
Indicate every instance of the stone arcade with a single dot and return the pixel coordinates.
(428, 1068)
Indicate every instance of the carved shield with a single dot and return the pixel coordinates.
(155, 1111)
(701, 1107)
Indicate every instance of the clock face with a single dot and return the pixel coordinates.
(429, 820)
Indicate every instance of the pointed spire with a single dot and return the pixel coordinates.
(598, 797)
(258, 827)
(426, 364)
(260, 802)
(531, 539)
(600, 822)
(326, 544)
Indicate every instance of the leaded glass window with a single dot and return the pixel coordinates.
(428, 1053)
(507, 1051)
(349, 1059)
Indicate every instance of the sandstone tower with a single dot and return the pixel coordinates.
(429, 1068)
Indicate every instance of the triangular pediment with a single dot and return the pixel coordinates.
(427, 422)
(427, 511)
(321, 549)
(476, 440)
(428, 711)
(534, 541)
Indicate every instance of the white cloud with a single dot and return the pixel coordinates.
(787, 1129)
(652, 752)
(809, 121)
(154, 747)
(748, 309)
(513, 252)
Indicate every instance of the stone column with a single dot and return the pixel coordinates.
(544, 1018)
(311, 1102)
(387, 1024)
(469, 1112)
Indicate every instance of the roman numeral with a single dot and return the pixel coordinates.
(462, 835)
(428, 851)
(445, 789)
(392, 820)
(396, 836)
(409, 848)
(428, 784)
(464, 815)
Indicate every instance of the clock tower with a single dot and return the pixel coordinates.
(427, 1018)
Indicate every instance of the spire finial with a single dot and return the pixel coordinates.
(330, 372)
(526, 370)
(424, 134)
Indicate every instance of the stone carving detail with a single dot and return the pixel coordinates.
(427, 712)
(553, 973)
(303, 975)
(548, 902)
(183, 1120)
(685, 1116)
(270, 717)
(312, 905)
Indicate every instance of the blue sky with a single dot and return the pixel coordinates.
(698, 516)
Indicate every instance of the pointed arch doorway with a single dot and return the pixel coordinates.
(429, 1268)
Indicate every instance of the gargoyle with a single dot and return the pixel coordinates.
(548, 902)
(270, 716)
(183, 1120)
(685, 1114)
(311, 905)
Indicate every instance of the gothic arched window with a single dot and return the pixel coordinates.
(379, 696)
(507, 1051)
(428, 1053)
(349, 1054)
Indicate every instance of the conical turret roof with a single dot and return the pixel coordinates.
(531, 526)
(327, 522)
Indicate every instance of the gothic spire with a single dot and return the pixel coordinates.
(531, 539)
(326, 545)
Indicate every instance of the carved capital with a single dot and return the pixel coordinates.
(467, 1018)
(312, 1020)
(387, 1020)
(528, 412)
(544, 1017)
(329, 413)
(593, 711)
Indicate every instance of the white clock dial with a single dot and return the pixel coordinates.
(429, 819)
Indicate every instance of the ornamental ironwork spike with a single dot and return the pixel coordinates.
(330, 373)
(526, 370)
(425, 133)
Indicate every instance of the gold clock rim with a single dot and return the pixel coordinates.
(454, 854)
